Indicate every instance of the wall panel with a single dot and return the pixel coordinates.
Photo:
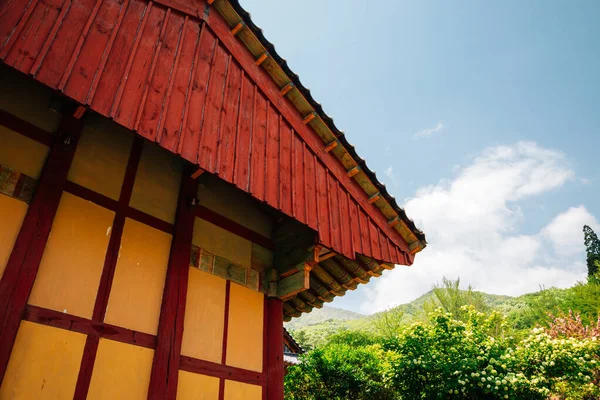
(12, 212)
(245, 332)
(157, 183)
(192, 386)
(44, 363)
(204, 316)
(222, 243)
(69, 273)
(121, 371)
(21, 153)
(137, 288)
(101, 157)
(242, 391)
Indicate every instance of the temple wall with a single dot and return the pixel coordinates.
(116, 211)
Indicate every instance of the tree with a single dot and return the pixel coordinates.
(592, 248)
(451, 298)
(389, 322)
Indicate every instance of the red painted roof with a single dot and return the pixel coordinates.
(194, 89)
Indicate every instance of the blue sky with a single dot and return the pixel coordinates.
(481, 117)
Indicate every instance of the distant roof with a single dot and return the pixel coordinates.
(289, 341)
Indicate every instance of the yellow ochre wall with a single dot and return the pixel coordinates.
(121, 371)
(245, 329)
(204, 320)
(192, 386)
(101, 156)
(44, 363)
(70, 270)
(139, 280)
(242, 391)
(26, 156)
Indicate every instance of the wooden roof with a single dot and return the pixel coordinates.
(202, 81)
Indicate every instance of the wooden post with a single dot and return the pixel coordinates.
(165, 367)
(24, 260)
(274, 344)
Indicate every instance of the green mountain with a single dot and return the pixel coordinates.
(315, 327)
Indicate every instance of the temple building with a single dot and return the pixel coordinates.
(170, 194)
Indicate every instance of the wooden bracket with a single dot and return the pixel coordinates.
(262, 58)
(327, 256)
(309, 117)
(393, 222)
(414, 247)
(290, 286)
(332, 145)
(374, 198)
(237, 28)
(285, 90)
(199, 172)
(353, 171)
(79, 112)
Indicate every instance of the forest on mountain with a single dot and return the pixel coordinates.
(455, 342)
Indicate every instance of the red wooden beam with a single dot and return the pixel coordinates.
(74, 323)
(24, 261)
(203, 367)
(225, 333)
(274, 345)
(165, 367)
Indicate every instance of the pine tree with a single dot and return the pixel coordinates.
(592, 248)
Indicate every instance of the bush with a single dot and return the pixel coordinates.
(471, 359)
(339, 371)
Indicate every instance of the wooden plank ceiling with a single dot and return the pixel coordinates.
(175, 73)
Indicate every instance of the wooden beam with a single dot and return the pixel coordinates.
(340, 274)
(311, 299)
(374, 198)
(236, 29)
(322, 292)
(74, 323)
(79, 112)
(359, 274)
(24, 261)
(165, 366)
(274, 364)
(293, 284)
(262, 58)
(327, 256)
(393, 222)
(25, 128)
(335, 287)
(309, 117)
(353, 171)
(197, 173)
(217, 370)
(331, 145)
(286, 89)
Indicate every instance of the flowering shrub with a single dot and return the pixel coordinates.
(454, 359)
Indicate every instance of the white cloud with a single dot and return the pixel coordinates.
(389, 172)
(472, 225)
(427, 133)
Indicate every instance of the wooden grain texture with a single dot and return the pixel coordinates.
(285, 168)
(242, 160)
(165, 366)
(203, 367)
(24, 260)
(173, 71)
(274, 365)
(229, 118)
(207, 157)
(196, 97)
(257, 152)
(272, 158)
